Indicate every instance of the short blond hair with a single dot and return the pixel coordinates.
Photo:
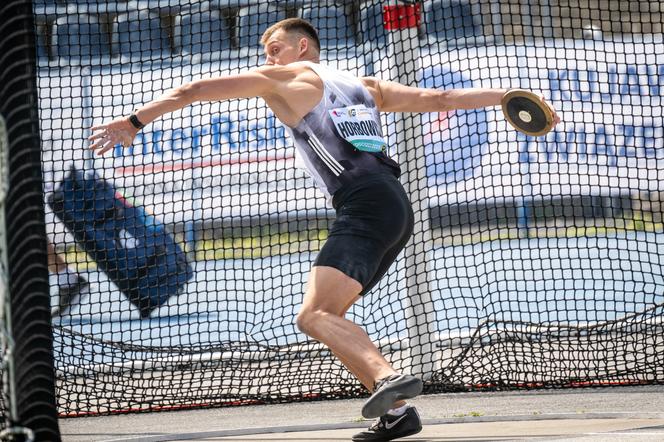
(294, 25)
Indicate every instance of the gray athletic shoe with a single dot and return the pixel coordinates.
(68, 295)
(388, 391)
(389, 427)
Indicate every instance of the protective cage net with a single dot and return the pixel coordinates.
(180, 263)
(27, 400)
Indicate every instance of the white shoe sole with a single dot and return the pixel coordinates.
(382, 400)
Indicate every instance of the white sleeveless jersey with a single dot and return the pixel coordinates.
(341, 138)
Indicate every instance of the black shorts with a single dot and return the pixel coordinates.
(374, 222)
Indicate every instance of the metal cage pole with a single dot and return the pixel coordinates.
(402, 21)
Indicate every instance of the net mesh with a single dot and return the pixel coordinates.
(536, 262)
(27, 404)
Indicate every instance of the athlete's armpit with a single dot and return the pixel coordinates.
(373, 86)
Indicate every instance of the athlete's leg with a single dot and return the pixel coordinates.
(330, 293)
(367, 382)
(71, 285)
(371, 227)
(55, 263)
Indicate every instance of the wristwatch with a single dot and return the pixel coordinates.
(133, 119)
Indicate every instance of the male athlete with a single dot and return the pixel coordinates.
(333, 120)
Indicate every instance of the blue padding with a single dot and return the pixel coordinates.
(141, 34)
(129, 245)
(371, 23)
(449, 20)
(80, 36)
(332, 24)
(253, 21)
(203, 32)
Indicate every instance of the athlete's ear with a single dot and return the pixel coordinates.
(303, 44)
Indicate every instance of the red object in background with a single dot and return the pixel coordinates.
(402, 16)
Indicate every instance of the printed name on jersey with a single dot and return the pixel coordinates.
(358, 126)
(349, 129)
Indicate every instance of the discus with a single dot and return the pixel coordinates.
(526, 112)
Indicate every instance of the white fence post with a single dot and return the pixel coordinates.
(401, 22)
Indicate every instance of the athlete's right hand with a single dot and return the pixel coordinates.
(106, 136)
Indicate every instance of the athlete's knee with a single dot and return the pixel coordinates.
(306, 321)
(311, 321)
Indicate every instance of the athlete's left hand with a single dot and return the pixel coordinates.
(106, 136)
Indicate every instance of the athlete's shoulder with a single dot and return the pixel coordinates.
(281, 72)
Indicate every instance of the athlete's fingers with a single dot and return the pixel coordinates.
(554, 114)
(556, 118)
(102, 145)
(94, 146)
(97, 146)
(107, 146)
(97, 135)
(100, 141)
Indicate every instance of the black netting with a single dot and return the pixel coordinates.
(28, 399)
(536, 262)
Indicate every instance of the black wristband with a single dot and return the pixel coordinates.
(133, 119)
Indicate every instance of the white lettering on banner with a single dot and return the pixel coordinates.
(615, 84)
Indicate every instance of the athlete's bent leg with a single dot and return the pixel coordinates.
(330, 293)
(55, 263)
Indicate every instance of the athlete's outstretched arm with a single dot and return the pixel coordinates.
(257, 83)
(394, 97)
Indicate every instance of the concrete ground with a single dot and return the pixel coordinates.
(600, 414)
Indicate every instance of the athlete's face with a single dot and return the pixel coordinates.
(283, 48)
